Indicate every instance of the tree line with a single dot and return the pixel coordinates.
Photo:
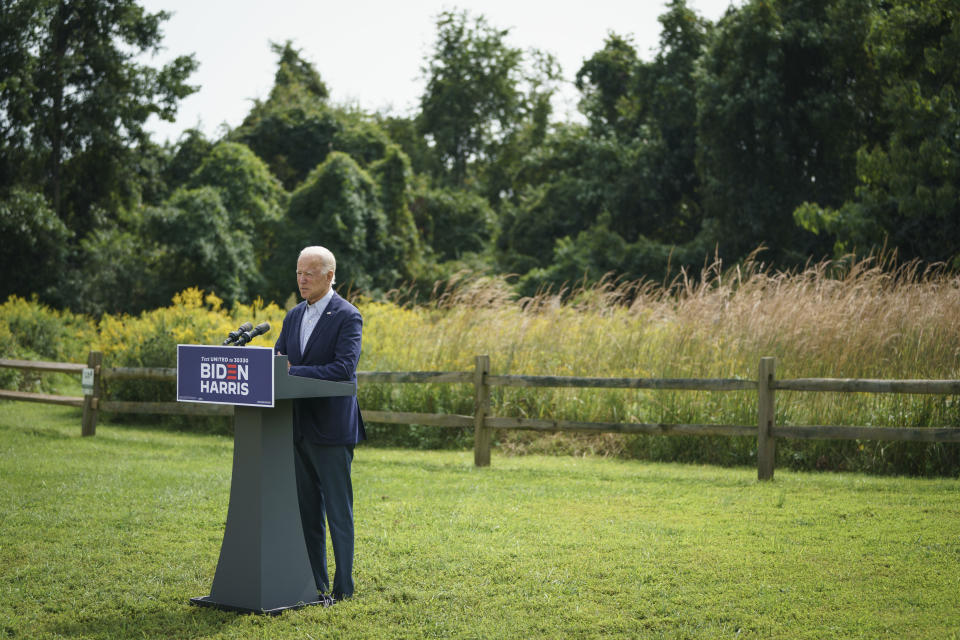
(810, 128)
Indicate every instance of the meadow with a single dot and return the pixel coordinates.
(853, 319)
(109, 537)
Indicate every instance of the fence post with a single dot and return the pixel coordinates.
(481, 434)
(766, 410)
(91, 402)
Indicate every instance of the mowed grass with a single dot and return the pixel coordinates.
(110, 536)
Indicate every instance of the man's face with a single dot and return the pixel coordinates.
(312, 280)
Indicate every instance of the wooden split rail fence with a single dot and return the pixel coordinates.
(765, 386)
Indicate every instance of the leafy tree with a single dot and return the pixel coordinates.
(496, 176)
(294, 129)
(33, 238)
(186, 157)
(295, 75)
(292, 139)
(255, 203)
(486, 106)
(252, 196)
(360, 137)
(404, 132)
(393, 176)
(471, 97)
(650, 109)
(567, 184)
(151, 161)
(784, 94)
(668, 187)
(199, 246)
(317, 150)
(453, 222)
(21, 31)
(338, 206)
(607, 83)
(634, 163)
(908, 192)
(599, 251)
(75, 98)
(117, 273)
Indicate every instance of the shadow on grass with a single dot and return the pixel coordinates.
(647, 472)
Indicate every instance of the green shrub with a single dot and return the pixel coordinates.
(30, 330)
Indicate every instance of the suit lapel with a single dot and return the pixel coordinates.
(295, 332)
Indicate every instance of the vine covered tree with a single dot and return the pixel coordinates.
(294, 128)
(339, 202)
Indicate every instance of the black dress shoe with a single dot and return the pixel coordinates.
(337, 597)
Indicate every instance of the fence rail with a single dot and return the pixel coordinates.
(26, 396)
(765, 386)
(42, 367)
(678, 384)
(36, 365)
(849, 385)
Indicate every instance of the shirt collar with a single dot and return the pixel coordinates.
(321, 304)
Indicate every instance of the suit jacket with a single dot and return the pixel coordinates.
(331, 353)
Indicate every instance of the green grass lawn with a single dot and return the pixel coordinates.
(109, 537)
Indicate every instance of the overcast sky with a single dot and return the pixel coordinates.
(370, 52)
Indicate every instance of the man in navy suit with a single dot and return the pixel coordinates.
(321, 338)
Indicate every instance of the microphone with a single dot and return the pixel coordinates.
(233, 336)
(247, 336)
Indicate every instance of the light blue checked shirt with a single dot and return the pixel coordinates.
(311, 316)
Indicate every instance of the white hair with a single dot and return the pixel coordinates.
(326, 259)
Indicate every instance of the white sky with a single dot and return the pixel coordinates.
(370, 52)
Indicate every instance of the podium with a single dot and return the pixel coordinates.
(263, 566)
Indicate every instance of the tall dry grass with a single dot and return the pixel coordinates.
(863, 318)
(856, 319)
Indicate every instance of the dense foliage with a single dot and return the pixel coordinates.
(808, 127)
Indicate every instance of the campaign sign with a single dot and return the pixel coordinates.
(225, 375)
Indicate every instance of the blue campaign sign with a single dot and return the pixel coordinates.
(225, 375)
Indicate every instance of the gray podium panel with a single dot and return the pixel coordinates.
(263, 565)
(287, 386)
